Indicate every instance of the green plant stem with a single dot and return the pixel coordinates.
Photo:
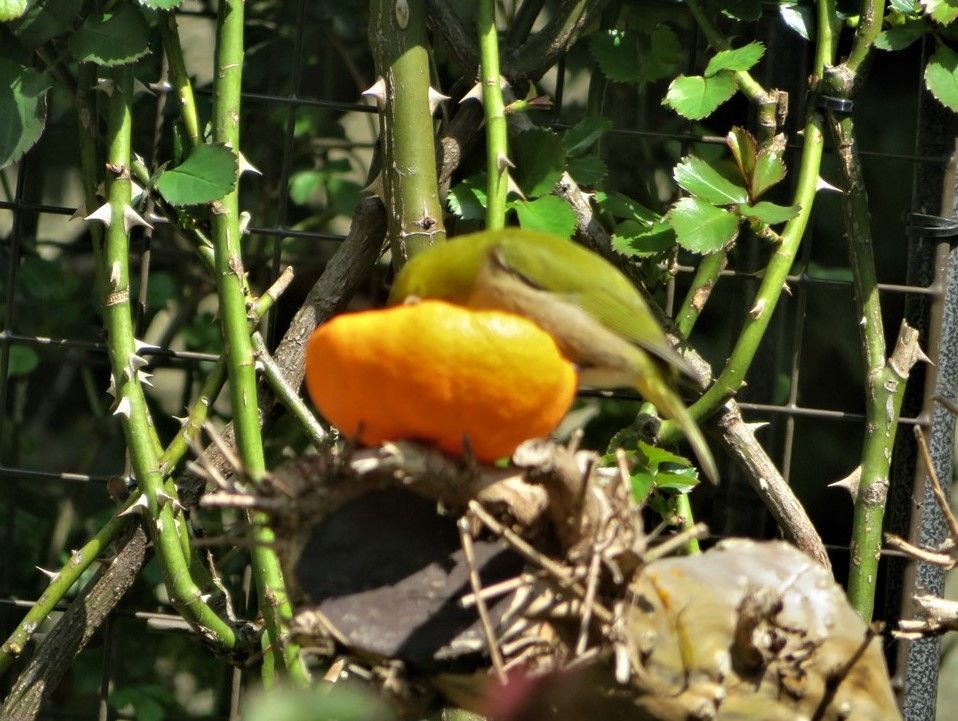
(80, 561)
(767, 103)
(131, 403)
(287, 395)
(497, 156)
(773, 281)
(180, 79)
(884, 380)
(230, 277)
(872, 15)
(683, 509)
(826, 30)
(703, 282)
(414, 213)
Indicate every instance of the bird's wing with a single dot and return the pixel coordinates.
(588, 281)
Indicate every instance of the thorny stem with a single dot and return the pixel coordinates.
(170, 34)
(274, 604)
(131, 403)
(397, 36)
(79, 562)
(497, 158)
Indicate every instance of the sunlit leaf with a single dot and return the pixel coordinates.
(632, 238)
(468, 199)
(769, 169)
(744, 150)
(548, 214)
(694, 97)
(770, 213)
(900, 37)
(941, 76)
(742, 58)
(12, 9)
(703, 181)
(701, 227)
(207, 174)
(587, 170)
(799, 18)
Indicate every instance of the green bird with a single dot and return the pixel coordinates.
(597, 317)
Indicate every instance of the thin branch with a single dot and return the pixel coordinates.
(497, 151)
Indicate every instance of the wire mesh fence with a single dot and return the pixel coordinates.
(307, 63)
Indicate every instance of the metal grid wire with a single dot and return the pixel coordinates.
(924, 291)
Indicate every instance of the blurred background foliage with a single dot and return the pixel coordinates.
(314, 159)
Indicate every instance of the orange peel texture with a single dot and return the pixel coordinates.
(437, 372)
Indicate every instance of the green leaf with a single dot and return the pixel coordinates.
(799, 18)
(705, 182)
(943, 12)
(744, 150)
(587, 170)
(112, 38)
(769, 168)
(468, 199)
(617, 54)
(584, 134)
(905, 7)
(548, 214)
(899, 38)
(23, 109)
(741, 58)
(622, 206)
(681, 480)
(12, 9)
(941, 76)
(161, 4)
(22, 360)
(653, 456)
(643, 483)
(700, 227)
(769, 212)
(540, 160)
(46, 20)
(635, 239)
(694, 97)
(207, 174)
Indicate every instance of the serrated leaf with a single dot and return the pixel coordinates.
(46, 20)
(643, 483)
(742, 58)
(703, 181)
(769, 213)
(23, 109)
(540, 160)
(694, 97)
(617, 54)
(905, 7)
(769, 170)
(468, 199)
(653, 456)
(701, 227)
(587, 170)
(12, 9)
(633, 238)
(744, 150)
(798, 18)
(112, 38)
(584, 134)
(941, 76)
(548, 214)
(943, 12)
(899, 38)
(208, 173)
(622, 206)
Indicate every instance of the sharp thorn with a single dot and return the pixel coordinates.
(435, 100)
(49, 574)
(104, 214)
(138, 506)
(247, 167)
(822, 184)
(122, 407)
(132, 218)
(850, 482)
(377, 91)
